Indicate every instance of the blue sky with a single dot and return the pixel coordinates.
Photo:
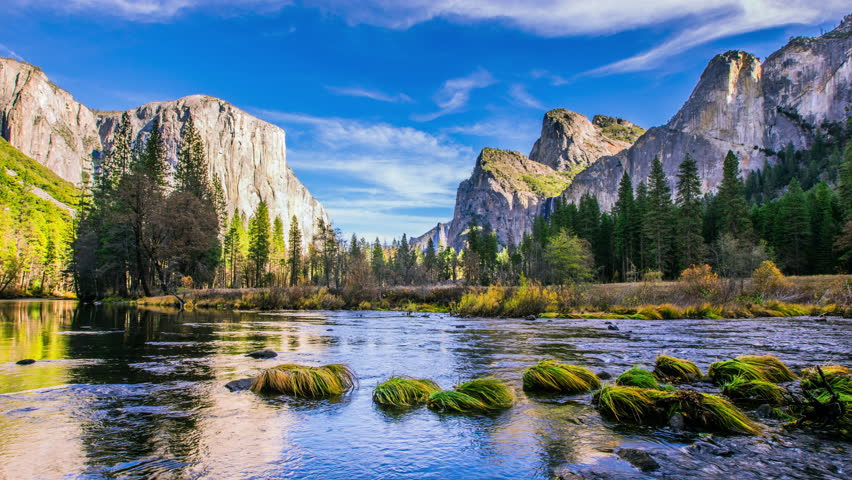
(386, 103)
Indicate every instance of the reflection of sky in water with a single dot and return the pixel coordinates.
(150, 399)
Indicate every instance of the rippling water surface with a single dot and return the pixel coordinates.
(120, 392)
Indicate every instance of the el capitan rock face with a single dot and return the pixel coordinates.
(45, 122)
(741, 105)
(246, 153)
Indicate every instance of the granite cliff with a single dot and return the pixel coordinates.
(247, 154)
(740, 104)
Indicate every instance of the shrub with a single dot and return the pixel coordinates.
(652, 276)
(323, 300)
(550, 376)
(529, 299)
(675, 370)
(404, 392)
(304, 381)
(700, 280)
(767, 279)
(481, 304)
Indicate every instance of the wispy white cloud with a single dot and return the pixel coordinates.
(554, 79)
(8, 52)
(503, 131)
(371, 94)
(393, 172)
(742, 17)
(455, 93)
(693, 22)
(522, 97)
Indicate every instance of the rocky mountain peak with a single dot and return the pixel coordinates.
(569, 142)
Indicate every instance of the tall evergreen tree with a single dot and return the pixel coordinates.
(294, 245)
(377, 261)
(259, 242)
(191, 171)
(624, 228)
(795, 224)
(152, 159)
(657, 219)
(689, 224)
(733, 209)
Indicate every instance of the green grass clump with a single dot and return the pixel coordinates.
(304, 381)
(492, 392)
(453, 401)
(628, 404)
(676, 370)
(550, 376)
(773, 369)
(404, 392)
(707, 412)
(750, 367)
(740, 388)
(481, 304)
(838, 377)
(638, 377)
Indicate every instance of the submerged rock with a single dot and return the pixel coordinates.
(604, 375)
(26, 361)
(239, 385)
(639, 459)
(266, 353)
(677, 422)
(612, 327)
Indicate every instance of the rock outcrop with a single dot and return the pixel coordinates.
(741, 105)
(247, 154)
(45, 122)
(507, 190)
(569, 142)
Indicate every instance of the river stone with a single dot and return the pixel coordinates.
(764, 410)
(604, 375)
(266, 353)
(26, 361)
(639, 459)
(239, 385)
(612, 327)
(677, 422)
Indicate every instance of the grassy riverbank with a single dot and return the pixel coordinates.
(796, 296)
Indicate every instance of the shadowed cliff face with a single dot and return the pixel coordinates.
(740, 105)
(247, 154)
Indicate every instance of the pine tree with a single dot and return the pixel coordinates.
(657, 219)
(641, 207)
(191, 172)
(824, 228)
(116, 160)
(624, 226)
(295, 250)
(430, 259)
(152, 159)
(377, 261)
(733, 209)
(259, 242)
(278, 252)
(689, 224)
(795, 227)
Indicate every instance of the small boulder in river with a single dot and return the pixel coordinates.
(612, 327)
(639, 459)
(262, 354)
(26, 361)
(604, 375)
(238, 385)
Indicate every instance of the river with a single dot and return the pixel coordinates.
(121, 392)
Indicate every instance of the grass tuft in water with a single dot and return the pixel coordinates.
(750, 367)
(492, 392)
(638, 377)
(304, 381)
(453, 401)
(404, 392)
(705, 412)
(550, 376)
(741, 388)
(676, 370)
(838, 377)
(628, 404)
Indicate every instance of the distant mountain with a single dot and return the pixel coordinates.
(246, 153)
(507, 190)
(739, 104)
